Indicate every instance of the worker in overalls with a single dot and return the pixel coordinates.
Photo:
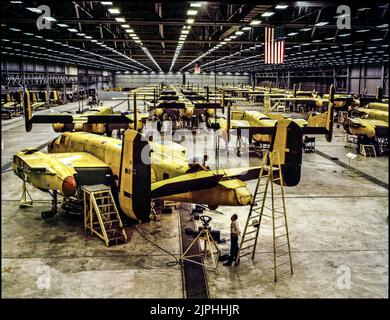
(234, 235)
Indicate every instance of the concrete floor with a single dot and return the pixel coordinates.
(338, 228)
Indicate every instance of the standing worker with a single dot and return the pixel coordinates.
(234, 234)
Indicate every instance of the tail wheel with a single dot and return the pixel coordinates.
(159, 126)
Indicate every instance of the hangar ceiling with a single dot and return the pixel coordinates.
(146, 36)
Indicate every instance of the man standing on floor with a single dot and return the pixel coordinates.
(234, 234)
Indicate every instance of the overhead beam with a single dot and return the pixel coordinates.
(239, 42)
(181, 22)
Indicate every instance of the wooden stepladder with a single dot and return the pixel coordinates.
(101, 215)
(273, 207)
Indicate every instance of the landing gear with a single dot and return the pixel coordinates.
(50, 214)
(159, 125)
(309, 144)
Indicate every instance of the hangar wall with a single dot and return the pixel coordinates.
(36, 72)
(355, 78)
(138, 80)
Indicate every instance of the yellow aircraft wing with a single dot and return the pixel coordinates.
(359, 122)
(140, 116)
(239, 123)
(78, 160)
(304, 99)
(39, 160)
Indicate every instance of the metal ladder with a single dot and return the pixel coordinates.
(101, 215)
(276, 212)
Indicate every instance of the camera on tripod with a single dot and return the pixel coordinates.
(205, 221)
(210, 248)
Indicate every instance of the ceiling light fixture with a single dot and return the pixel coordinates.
(114, 11)
(35, 10)
(50, 19)
(255, 22)
(320, 24)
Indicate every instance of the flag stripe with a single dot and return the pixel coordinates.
(266, 46)
(274, 46)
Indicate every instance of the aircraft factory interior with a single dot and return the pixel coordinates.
(193, 149)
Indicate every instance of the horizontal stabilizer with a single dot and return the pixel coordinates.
(185, 183)
(65, 118)
(168, 98)
(171, 105)
(201, 180)
(207, 105)
(51, 118)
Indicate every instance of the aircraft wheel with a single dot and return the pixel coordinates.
(47, 215)
(238, 152)
(109, 133)
(212, 207)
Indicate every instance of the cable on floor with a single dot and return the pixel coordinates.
(168, 264)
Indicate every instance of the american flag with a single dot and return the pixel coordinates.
(274, 45)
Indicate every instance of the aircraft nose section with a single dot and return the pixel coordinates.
(69, 186)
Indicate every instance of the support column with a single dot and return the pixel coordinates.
(364, 79)
(23, 86)
(383, 70)
(47, 87)
(135, 111)
(288, 79)
(65, 91)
